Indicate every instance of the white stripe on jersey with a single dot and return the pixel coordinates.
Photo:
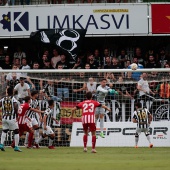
(33, 104)
(49, 113)
(88, 119)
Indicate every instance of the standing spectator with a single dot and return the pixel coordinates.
(42, 62)
(135, 75)
(23, 89)
(19, 54)
(2, 54)
(7, 63)
(56, 58)
(122, 58)
(62, 84)
(144, 90)
(152, 63)
(140, 57)
(47, 64)
(98, 58)
(162, 58)
(24, 66)
(63, 62)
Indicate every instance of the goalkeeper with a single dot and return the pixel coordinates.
(102, 91)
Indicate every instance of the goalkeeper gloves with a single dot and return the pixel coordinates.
(112, 91)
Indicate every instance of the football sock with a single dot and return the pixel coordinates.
(136, 140)
(3, 136)
(26, 138)
(93, 142)
(148, 138)
(36, 135)
(30, 139)
(39, 140)
(85, 141)
(96, 121)
(101, 124)
(16, 138)
(50, 141)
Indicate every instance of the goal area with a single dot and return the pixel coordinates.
(68, 87)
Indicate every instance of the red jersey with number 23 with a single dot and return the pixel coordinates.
(88, 107)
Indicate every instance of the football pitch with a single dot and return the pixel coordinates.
(67, 158)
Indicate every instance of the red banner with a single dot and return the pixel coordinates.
(160, 18)
(66, 108)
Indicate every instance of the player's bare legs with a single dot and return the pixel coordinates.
(36, 135)
(93, 141)
(85, 138)
(101, 125)
(148, 138)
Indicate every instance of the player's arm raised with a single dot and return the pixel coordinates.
(105, 107)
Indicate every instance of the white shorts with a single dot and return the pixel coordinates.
(34, 122)
(49, 131)
(139, 130)
(9, 124)
(28, 123)
(99, 110)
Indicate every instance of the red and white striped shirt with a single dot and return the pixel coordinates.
(88, 107)
(22, 111)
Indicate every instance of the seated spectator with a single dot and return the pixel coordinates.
(152, 53)
(47, 64)
(17, 62)
(135, 75)
(106, 54)
(56, 58)
(6, 64)
(151, 63)
(64, 62)
(78, 64)
(92, 62)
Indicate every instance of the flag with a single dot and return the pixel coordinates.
(67, 40)
(160, 18)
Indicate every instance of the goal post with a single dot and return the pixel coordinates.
(68, 88)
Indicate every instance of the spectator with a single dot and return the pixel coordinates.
(91, 86)
(135, 75)
(24, 66)
(122, 58)
(2, 54)
(152, 53)
(47, 64)
(162, 58)
(23, 90)
(6, 64)
(63, 62)
(152, 63)
(108, 63)
(19, 54)
(106, 54)
(62, 84)
(98, 58)
(17, 62)
(78, 64)
(92, 62)
(56, 58)
(124, 97)
(140, 57)
(42, 62)
(144, 90)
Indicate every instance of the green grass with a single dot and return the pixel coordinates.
(65, 158)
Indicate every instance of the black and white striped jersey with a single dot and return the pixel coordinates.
(33, 104)
(142, 116)
(48, 89)
(49, 113)
(8, 107)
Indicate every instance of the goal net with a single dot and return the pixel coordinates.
(68, 87)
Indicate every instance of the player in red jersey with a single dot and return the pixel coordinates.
(88, 118)
(24, 121)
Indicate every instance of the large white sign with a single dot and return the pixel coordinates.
(103, 19)
(123, 134)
